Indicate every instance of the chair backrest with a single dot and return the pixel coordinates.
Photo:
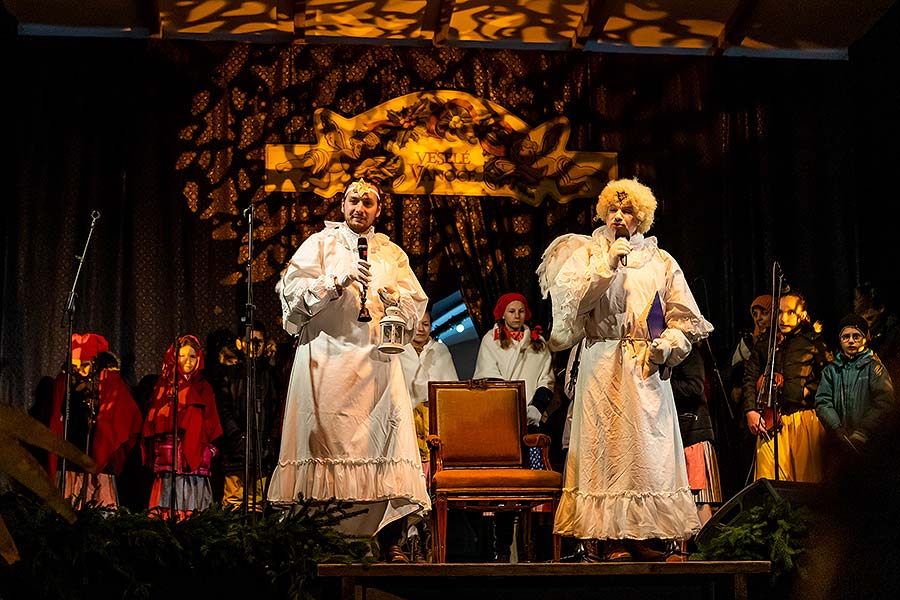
(480, 422)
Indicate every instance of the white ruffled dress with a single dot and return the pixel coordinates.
(348, 426)
(625, 474)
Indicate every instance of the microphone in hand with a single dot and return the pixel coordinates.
(618, 247)
(359, 271)
(362, 246)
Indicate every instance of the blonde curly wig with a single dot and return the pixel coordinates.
(628, 192)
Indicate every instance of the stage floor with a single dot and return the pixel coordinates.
(691, 580)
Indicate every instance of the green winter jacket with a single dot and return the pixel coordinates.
(855, 393)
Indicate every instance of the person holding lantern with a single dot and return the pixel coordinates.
(348, 424)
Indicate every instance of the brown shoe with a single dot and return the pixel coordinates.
(615, 551)
(646, 551)
(395, 554)
(618, 556)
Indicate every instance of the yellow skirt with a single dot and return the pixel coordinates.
(801, 444)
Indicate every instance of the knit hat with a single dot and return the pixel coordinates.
(504, 301)
(855, 321)
(764, 302)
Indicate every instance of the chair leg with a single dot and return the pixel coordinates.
(439, 535)
(527, 547)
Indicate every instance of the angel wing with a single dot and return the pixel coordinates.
(555, 256)
(567, 327)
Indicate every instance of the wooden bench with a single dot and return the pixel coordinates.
(691, 580)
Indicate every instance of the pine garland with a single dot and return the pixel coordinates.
(125, 555)
(773, 531)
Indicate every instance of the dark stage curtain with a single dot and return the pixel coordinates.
(751, 160)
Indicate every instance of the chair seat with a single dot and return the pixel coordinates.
(486, 480)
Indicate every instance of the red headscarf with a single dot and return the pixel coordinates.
(764, 302)
(118, 421)
(504, 301)
(171, 359)
(86, 346)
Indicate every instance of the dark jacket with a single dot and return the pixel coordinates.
(800, 358)
(230, 385)
(855, 393)
(689, 388)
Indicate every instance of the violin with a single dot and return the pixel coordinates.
(766, 408)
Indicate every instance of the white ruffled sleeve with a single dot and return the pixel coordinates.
(304, 287)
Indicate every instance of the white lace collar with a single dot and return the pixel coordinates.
(350, 237)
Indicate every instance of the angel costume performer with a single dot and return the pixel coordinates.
(625, 473)
(348, 424)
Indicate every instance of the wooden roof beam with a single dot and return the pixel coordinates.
(733, 26)
(593, 21)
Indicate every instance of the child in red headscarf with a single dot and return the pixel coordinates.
(513, 351)
(104, 420)
(198, 427)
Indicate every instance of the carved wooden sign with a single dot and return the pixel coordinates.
(440, 142)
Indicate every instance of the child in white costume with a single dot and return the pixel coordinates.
(513, 351)
(424, 359)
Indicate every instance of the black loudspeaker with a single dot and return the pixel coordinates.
(755, 494)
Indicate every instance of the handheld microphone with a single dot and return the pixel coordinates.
(362, 246)
(622, 232)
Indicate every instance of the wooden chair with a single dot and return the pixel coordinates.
(479, 456)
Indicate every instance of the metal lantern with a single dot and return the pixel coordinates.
(392, 328)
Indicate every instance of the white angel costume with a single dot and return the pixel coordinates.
(348, 425)
(625, 474)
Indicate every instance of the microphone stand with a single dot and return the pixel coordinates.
(93, 408)
(769, 373)
(70, 317)
(250, 407)
(173, 496)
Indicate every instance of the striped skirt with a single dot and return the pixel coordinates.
(703, 473)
